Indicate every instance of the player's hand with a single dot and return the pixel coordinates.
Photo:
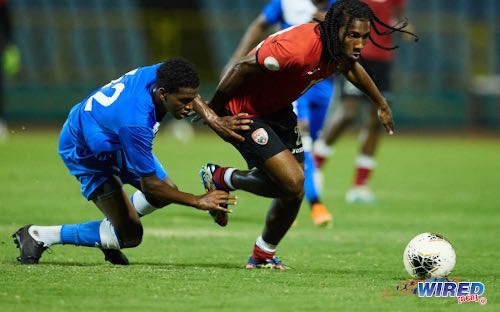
(226, 127)
(213, 200)
(239, 122)
(385, 117)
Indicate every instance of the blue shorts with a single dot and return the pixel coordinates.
(313, 105)
(93, 172)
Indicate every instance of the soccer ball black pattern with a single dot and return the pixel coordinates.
(429, 255)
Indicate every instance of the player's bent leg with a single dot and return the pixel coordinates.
(33, 240)
(255, 181)
(124, 220)
(279, 219)
(279, 176)
(288, 175)
(109, 198)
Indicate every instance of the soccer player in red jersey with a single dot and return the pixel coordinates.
(377, 63)
(264, 84)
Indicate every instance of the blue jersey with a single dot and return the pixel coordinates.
(290, 12)
(112, 130)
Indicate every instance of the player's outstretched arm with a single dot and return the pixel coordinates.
(245, 68)
(226, 127)
(162, 194)
(358, 77)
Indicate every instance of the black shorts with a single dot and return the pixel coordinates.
(380, 72)
(269, 136)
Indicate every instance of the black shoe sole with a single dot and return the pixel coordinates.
(29, 260)
(221, 218)
(115, 256)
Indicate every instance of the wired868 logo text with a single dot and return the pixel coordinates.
(463, 291)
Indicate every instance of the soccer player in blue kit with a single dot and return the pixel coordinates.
(311, 108)
(107, 141)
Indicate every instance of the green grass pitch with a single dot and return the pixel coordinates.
(187, 263)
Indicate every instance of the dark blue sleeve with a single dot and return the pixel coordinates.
(273, 12)
(137, 143)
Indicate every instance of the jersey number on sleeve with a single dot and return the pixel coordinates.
(105, 100)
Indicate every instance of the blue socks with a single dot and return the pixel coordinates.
(311, 189)
(83, 234)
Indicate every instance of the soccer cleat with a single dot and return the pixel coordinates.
(115, 256)
(273, 263)
(320, 215)
(220, 217)
(361, 194)
(30, 250)
(207, 173)
(212, 177)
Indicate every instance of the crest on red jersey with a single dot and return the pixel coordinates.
(260, 136)
(271, 63)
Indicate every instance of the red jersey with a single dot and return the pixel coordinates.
(292, 62)
(385, 11)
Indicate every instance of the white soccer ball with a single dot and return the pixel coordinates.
(429, 255)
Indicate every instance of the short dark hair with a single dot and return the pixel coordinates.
(342, 13)
(176, 73)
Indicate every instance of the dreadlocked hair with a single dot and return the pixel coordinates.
(342, 13)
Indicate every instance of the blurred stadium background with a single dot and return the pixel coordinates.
(448, 80)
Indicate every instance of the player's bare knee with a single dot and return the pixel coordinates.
(131, 241)
(294, 186)
(132, 236)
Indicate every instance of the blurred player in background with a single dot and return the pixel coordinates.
(311, 108)
(378, 63)
(107, 140)
(264, 84)
(9, 60)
